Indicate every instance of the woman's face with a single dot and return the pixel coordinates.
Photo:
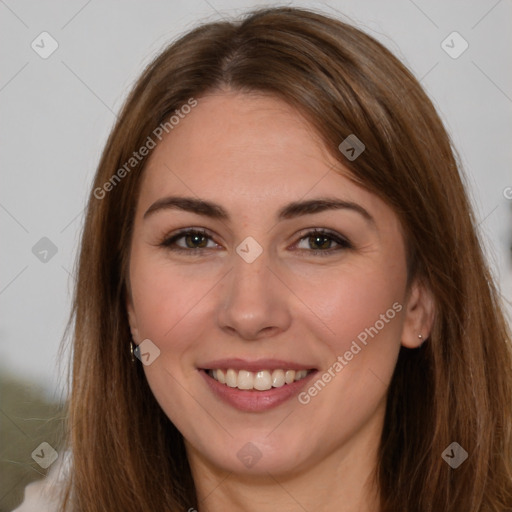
(254, 297)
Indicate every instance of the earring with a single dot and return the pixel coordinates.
(132, 351)
(421, 338)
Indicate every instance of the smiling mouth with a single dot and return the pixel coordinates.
(262, 380)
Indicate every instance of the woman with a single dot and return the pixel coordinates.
(282, 302)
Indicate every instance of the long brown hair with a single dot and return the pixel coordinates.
(127, 455)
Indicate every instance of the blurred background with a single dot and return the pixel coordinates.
(66, 68)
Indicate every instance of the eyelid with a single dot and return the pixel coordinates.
(343, 242)
(168, 240)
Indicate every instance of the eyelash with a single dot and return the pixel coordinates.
(344, 244)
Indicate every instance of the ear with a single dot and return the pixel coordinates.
(419, 315)
(132, 320)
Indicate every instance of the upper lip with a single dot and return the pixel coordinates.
(254, 365)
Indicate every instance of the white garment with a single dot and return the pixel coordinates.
(45, 495)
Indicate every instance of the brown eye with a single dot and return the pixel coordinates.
(318, 242)
(189, 241)
(195, 240)
(321, 242)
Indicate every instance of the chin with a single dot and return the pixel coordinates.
(256, 455)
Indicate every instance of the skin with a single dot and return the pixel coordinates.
(253, 154)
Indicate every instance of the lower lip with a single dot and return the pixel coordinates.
(253, 400)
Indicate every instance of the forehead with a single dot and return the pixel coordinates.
(248, 152)
(250, 133)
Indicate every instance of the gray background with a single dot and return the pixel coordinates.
(57, 112)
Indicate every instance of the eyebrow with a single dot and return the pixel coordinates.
(290, 211)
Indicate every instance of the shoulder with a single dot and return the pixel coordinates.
(45, 495)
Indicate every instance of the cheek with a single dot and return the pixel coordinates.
(350, 301)
(360, 310)
(168, 306)
(363, 313)
(163, 297)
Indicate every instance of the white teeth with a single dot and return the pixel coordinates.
(261, 381)
(220, 376)
(300, 374)
(289, 376)
(278, 378)
(231, 378)
(245, 380)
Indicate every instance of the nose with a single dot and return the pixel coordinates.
(254, 303)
